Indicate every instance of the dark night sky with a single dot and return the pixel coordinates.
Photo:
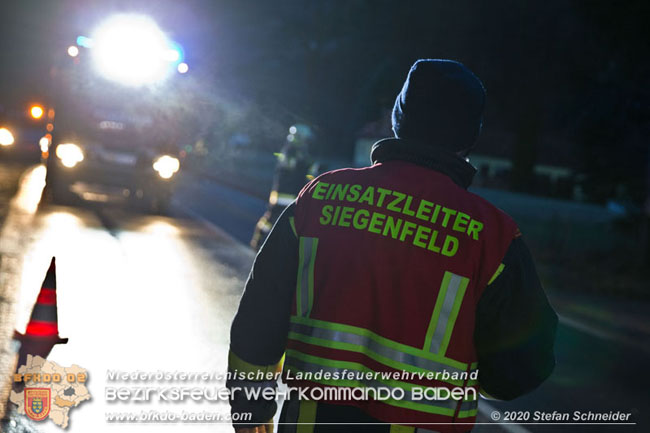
(23, 50)
(575, 70)
(355, 49)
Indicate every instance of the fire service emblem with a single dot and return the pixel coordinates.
(37, 403)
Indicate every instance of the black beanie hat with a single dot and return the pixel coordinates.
(441, 103)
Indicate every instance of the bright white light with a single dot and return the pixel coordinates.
(293, 130)
(73, 51)
(44, 143)
(36, 111)
(70, 154)
(166, 166)
(183, 67)
(6, 137)
(171, 55)
(131, 49)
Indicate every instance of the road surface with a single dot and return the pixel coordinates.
(135, 293)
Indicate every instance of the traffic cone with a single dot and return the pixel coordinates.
(42, 331)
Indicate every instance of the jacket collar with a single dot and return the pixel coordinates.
(433, 157)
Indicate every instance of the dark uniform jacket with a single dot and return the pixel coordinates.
(514, 326)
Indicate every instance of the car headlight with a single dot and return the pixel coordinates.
(6, 137)
(166, 166)
(44, 144)
(70, 154)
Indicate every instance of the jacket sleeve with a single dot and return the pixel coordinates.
(515, 329)
(259, 330)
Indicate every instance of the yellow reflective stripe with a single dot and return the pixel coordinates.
(305, 281)
(299, 362)
(352, 374)
(453, 315)
(301, 265)
(445, 312)
(423, 353)
(292, 222)
(468, 408)
(310, 279)
(497, 273)
(395, 428)
(306, 416)
(436, 311)
(364, 343)
(236, 363)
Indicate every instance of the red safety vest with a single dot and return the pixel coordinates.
(393, 260)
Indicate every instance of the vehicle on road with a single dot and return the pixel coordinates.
(19, 136)
(117, 131)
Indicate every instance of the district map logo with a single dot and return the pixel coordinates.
(37, 403)
(43, 389)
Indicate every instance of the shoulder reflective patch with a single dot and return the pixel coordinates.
(497, 273)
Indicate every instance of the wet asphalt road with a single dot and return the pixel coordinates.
(135, 293)
(152, 293)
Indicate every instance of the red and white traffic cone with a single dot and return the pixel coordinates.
(42, 331)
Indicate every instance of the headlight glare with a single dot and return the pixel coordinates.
(70, 154)
(166, 166)
(6, 137)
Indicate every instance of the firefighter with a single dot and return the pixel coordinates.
(294, 168)
(395, 277)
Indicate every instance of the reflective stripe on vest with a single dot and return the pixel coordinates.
(445, 312)
(300, 416)
(380, 349)
(406, 261)
(428, 358)
(296, 361)
(305, 279)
